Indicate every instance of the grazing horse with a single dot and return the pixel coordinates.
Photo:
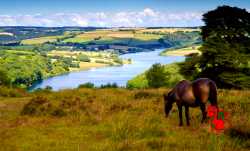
(191, 94)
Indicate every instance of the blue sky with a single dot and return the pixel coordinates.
(109, 12)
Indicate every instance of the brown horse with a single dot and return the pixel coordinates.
(191, 94)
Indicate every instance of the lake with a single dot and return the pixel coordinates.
(141, 61)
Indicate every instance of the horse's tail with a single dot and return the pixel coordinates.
(213, 93)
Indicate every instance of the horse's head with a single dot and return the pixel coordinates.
(168, 101)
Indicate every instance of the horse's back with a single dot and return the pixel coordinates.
(184, 92)
(202, 89)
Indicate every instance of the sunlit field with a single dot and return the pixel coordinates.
(114, 119)
(109, 35)
(181, 51)
(41, 40)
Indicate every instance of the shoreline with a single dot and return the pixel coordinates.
(181, 51)
(72, 70)
(86, 68)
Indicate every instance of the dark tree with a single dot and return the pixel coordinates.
(226, 49)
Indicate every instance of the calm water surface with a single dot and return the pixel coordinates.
(120, 74)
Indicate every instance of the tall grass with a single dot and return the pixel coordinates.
(115, 119)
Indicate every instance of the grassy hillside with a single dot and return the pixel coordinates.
(181, 51)
(110, 35)
(24, 67)
(101, 39)
(40, 40)
(114, 119)
(172, 73)
(15, 34)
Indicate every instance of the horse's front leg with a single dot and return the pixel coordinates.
(180, 114)
(187, 114)
(204, 112)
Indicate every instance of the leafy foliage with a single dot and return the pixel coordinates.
(4, 80)
(109, 85)
(23, 70)
(156, 76)
(226, 48)
(83, 58)
(86, 85)
(171, 72)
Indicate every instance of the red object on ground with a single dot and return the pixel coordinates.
(219, 124)
(211, 111)
(218, 119)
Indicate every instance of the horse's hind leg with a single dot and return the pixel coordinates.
(204, 113)
(187, 114)
(180, 115)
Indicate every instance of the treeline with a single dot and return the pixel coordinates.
(179, 39)
(24, 70)
(225, 51)
(21, 33)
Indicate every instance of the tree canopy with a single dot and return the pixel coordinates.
(226, 48)
(156, 76)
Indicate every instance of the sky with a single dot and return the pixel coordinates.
(109, 13)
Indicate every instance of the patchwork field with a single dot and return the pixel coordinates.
(114, 119)
(92, 59)
(170, 30)
(109, 35)
(181, 51)
(40, 40)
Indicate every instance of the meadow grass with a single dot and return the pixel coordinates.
(97, 59)
(110, 36)
(115, 119)
(181, 51)
(40, 40)
(169, 30)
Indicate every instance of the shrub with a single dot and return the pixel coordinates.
(87, 85)
(12, 92)
(109, 85)
(83, 58)
(171, 72)
(37, 106)
(241, 132)
(4, 80)
(101, 61)
(144, 95)
(42, 106)
(156, 76)
(118, 60)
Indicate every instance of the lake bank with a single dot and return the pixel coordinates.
(111, 74)
(185, 51)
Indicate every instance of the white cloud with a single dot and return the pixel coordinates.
(147, 17)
